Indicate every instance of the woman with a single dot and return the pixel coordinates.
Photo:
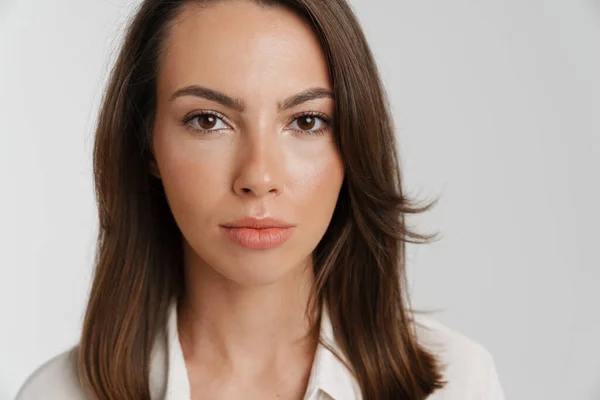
(252, 230)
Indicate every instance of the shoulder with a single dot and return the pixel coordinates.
(55, 379)
(467, 366)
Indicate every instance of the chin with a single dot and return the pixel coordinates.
(249, 267)
(256, 273)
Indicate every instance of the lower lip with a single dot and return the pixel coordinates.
(266, 238)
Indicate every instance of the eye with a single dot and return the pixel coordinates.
(205, 121)
(311, 123)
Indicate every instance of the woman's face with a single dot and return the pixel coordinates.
(238, 143)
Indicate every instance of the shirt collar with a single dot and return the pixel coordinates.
(329, 374)
(169, 379)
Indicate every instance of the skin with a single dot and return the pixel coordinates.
(242, 325)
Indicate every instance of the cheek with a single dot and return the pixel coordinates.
(317, 178)
(193, 176)
(317, 181)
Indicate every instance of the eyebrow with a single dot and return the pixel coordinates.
(240, 104)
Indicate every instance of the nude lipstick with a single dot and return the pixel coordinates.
(258, 234)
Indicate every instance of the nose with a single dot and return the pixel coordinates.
(259, 167)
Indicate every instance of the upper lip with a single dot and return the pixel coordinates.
(258, 223)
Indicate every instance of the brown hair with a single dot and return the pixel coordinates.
(359, 263)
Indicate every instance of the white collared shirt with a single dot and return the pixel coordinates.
(329, 377)
(470, 369)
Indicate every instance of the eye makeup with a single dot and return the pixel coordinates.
(324, 121)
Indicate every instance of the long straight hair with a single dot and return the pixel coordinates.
(359, 264)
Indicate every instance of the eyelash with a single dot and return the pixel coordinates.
(326, 121)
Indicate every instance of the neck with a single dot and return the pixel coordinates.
(240, 326)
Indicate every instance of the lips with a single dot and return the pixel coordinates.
(258, 223)
(258, 234)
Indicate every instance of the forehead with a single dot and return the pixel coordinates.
(242, 47)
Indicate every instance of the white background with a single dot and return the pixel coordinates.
(497, 105)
